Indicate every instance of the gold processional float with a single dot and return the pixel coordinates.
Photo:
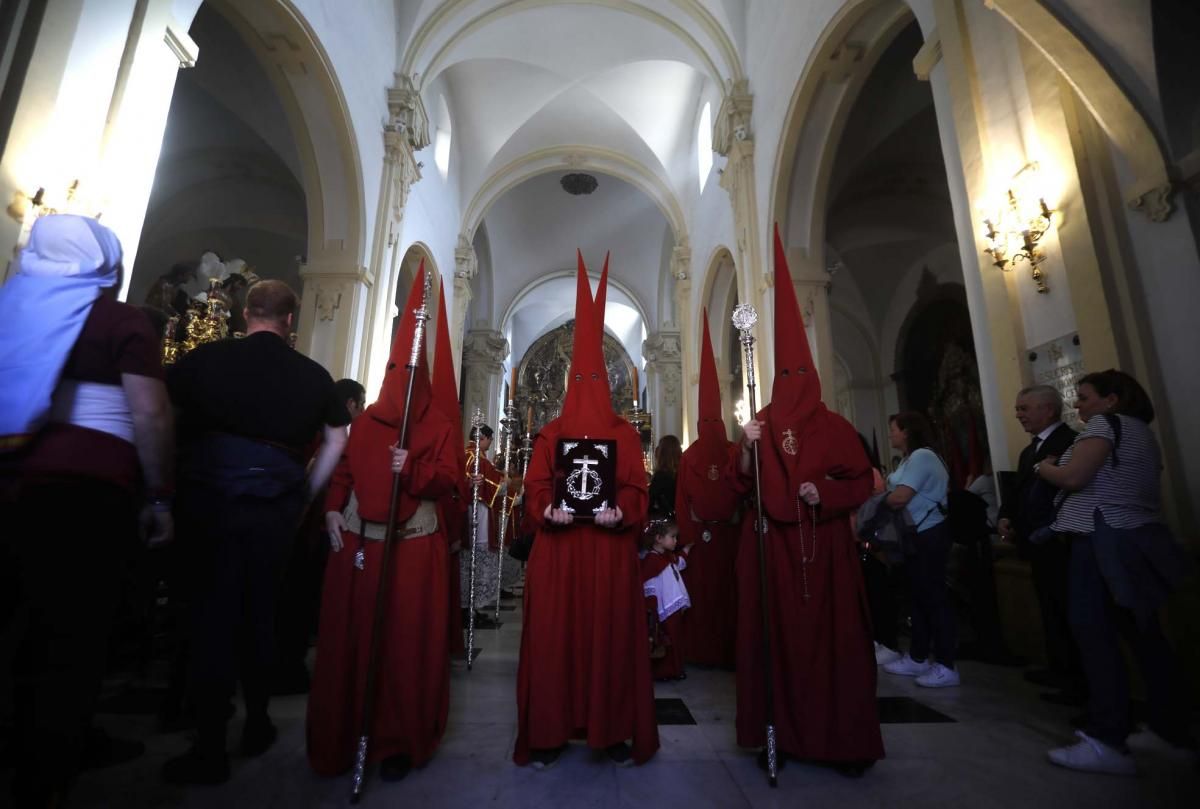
(207, 322)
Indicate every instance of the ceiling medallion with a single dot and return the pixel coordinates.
(578, 183)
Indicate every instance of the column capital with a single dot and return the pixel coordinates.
(732, 124)
(681, 261)
(406, 114)
(466, 262)
(663, 347)
(484, 347)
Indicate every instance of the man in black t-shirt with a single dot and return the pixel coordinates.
(248, 409)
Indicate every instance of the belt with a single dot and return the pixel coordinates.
(423, 522)
(733, 520)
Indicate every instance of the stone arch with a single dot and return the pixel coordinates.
(397, 296)
(565, 158)
(426, 51)
(319, 118)
(837, 67)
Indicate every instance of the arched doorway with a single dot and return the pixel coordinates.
(260, 163)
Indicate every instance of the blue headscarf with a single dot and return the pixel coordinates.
(43, 307)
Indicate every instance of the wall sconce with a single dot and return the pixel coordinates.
(1021, 221)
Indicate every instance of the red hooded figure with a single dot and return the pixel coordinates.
(585, 668)
(707, 511)
(454, 505)
(413, 697)
(814, 475)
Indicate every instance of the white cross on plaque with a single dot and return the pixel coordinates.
(585, 465)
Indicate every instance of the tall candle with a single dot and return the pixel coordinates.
(512, 385)
(636, 388)
(529, 419)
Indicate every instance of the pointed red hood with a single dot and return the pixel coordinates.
(601, 298)
(712, 425)
(588, 404)
(796, 389)
(389, 407)
(445, 389)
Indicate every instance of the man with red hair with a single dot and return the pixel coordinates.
(585, 667)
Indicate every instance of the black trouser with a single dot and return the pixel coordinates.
(1050, 563)
(236, 552)
(64, 547)
(1095, 621)
(878, 579)
(933, 627)
(300, 597)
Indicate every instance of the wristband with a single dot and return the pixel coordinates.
(159, 502)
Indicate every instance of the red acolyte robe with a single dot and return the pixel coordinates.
(823, 658)
(413, 699)
(585, 669)
(670, 629)
(706, 501)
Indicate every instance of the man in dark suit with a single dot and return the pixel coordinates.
(1039, 409)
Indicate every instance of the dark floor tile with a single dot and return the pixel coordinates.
(907, 711)
(672, 711)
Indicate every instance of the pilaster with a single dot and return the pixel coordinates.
(663, 352)
(483, 355)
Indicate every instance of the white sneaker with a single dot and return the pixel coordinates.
(907, 667)
(1092, 755)
(885, 655)
(1146, 740)
(938, 677)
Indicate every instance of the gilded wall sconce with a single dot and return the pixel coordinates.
(1019, 223)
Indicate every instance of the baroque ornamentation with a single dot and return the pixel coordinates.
(543, 371)
(1155, 203)
(733, 118)
(327, 303)
(407, 114)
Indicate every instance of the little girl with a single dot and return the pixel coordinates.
(666, 598)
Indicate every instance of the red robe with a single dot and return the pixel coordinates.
(824, 662)
(670, 631)
(413, 699)
(584, 669)
(704, 504)
(452, 510)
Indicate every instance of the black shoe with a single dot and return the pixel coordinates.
(103, 750)
(194, 769)
(485, 622)
(1080, 721)
(394, 768)
(544, 759)
(1070, 698)
(1046, 678)
(509, 594)
(257, 738)
(619, 754)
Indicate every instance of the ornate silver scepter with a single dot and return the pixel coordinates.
(509, 423)
(476, 434)
(744, 319)
(389, 541)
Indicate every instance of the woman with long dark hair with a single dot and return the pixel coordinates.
(920, 485)
(666, 470)
(1123, 566)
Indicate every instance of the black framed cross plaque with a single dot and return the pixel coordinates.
(585, 476)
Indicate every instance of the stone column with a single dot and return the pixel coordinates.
(333, 301)
(483, 356)
(405, 133)
(734, 139)
(466, 265)
(811, 282)
(689, 340)
(664, 382)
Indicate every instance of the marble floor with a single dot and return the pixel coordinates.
(992, 754)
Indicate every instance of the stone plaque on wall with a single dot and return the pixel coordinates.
(1059, 363)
